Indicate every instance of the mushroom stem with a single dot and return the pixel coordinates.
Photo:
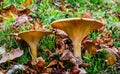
(33, 51)
(77, 49)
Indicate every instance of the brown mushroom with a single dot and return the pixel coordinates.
(77, 29)
(32, 38)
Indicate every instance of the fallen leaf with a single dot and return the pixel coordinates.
(21, 19)
(12, 12)
(61, 7)
(37, 25)
(74, 70)
(11, 55)
(111, 59)
(114, 51)
(87, 14)
(104, 40)
(68, 56)
(1, 1)
(25, 11)
(1, 72)
(48, 51)
(37, 60)
(62, 40)
(101, 30)
(82, 71)
(41, 63)
(47, 71)
(110, 53)
(57, 67)
(59, 32)
(15, 28)
(52, 63)
(2, 49)
(14, 68)
(61, 44)
(77, 70)
(90, 47)
(27, 3)
(8, 12)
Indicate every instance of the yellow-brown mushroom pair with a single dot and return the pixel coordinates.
(76, 28)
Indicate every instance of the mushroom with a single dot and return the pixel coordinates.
(32, 38)
(77, 29)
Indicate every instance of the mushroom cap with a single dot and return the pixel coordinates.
(33, 36)
(65, 23)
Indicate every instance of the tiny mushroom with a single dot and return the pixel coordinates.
(32, 38)
(77, 29)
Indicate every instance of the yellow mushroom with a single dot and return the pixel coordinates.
(32, 38)
(77, 29)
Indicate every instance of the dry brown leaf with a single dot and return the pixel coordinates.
(2, 49)
(57, 67)
(55, 62)
(104, 25)
(21, 19)
(15, 29)
(8, 12)
(37, 64)
(114, 51)
(87, 14)
(52, 63)
(68, 56)
(11, 55)
(27, 3)
(110, 53)
(25, 11)
(61, 7)
(12, 12)
(105, 40)
(111, 59)
(41, 63)
(47, 71)
(90, 47)
(77, 70)
(37, 25)
(35, 61)
(48, 51)
(60, 32)
(1, 1)
(63, 42)
(1, 72)
(13, 68)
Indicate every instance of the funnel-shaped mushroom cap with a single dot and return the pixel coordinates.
(77, 29)
(32, 38)
(77, 25)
